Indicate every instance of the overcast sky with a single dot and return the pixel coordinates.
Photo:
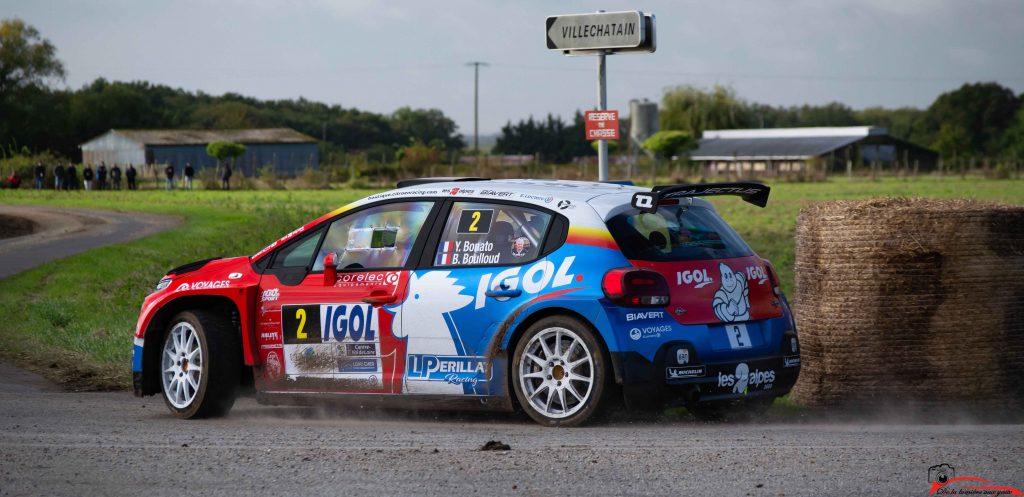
(379, 56)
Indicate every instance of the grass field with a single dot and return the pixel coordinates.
(73, 319)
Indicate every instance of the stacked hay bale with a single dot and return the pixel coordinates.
(910, 302)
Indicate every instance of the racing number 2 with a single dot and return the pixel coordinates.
(297, 322)
(476, 222)
(738, 336)
(300, 314)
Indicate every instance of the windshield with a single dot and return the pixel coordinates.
(676, 233)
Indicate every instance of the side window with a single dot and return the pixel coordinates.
(491, 234)
(376, 238)
(298, 253)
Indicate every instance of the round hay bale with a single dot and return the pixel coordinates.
(910, 302)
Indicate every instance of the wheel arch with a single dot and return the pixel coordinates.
(545, 312)
(157, 328)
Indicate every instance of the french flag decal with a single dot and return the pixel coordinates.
(445, 257)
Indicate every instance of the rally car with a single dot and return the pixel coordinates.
(553, 297)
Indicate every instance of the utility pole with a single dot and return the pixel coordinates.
(476, 104)
(602, 104)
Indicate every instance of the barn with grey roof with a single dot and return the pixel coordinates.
(284, 149)
(791, 150)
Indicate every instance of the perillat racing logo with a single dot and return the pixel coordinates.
(450, 369)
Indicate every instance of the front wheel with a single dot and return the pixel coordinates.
(559, 372)
(200, 365)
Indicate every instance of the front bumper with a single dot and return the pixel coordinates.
(669, 381)
(137, 354)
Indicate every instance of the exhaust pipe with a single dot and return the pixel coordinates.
(693, 395)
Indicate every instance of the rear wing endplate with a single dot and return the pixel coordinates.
(754, 193)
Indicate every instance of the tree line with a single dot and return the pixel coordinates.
(36, 116)
(975, 120)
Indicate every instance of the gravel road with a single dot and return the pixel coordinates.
(60, 443)
(57, 443)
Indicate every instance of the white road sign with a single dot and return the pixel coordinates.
(598, 31)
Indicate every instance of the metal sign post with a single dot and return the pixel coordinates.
(602, 104)
(601, 34)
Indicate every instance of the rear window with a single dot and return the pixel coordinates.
(676, 233)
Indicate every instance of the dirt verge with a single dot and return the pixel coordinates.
(14, 226)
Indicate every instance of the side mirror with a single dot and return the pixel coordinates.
(330, 269)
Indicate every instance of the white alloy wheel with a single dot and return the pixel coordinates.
(556, 373)
(182, 365)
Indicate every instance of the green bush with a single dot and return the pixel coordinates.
(23, 161)
(1003, 171)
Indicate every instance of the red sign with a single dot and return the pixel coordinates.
(602, 124)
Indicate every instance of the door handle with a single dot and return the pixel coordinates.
(379, 298)
(507, 292)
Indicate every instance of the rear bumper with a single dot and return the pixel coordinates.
(665, 381)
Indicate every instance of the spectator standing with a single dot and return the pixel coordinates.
(39, 173)
(87, 177)
(169, 173)
(189, 173)
(58, 177)
(225, 177)
(71, 178)
(130, 174)
(115, 177)
(101, 176)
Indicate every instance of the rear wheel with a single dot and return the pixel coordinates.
(559, 372)
(200, 365)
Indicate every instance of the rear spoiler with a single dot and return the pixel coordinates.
(754, 193)
(426, 181)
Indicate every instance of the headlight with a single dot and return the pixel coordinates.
(163, 284)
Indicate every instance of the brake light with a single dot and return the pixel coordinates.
(772, 276)
(635, 287)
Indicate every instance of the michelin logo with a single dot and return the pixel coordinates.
(675, 373)
(732, 302)
(455, 370)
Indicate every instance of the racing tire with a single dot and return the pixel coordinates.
(559, 372)
(200, 366)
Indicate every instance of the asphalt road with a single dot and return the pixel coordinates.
(64, 232)
(59, 443)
